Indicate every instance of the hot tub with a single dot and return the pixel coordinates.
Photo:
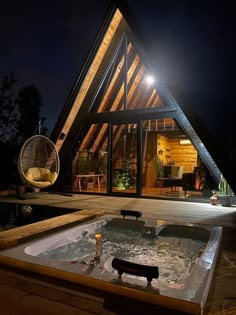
(185, 255)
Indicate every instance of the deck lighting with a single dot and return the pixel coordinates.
(98, 237)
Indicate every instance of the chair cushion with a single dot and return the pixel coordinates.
(40, 177)
(177, 171)
(37, 174)
(52, 177)
(40, 184)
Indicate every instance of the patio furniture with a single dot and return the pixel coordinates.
(172, 177)
(95, 178)
(38, 162)
(188, 182)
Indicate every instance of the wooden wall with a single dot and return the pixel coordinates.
(181, 155)
(167, 150)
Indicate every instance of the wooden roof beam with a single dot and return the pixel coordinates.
(90, 76)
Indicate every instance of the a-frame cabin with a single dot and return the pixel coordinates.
(121, 130)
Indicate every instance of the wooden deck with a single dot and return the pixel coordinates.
(180, 211)
(27, 293)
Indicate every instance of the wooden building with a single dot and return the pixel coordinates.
(123, 132)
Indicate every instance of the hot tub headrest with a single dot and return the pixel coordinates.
(146, 271)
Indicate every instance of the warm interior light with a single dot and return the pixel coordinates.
(184, 141)
(149, 79)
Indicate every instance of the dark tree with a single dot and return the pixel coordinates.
(19, 120)
(29, 103)
(8, 110)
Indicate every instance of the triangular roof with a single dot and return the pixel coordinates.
(97, 98)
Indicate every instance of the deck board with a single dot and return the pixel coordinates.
(17, 235)
(164, 209)
(32, 293)
(90, 205)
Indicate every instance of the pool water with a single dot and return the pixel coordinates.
(175, 256)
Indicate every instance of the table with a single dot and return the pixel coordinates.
(77, 179)
(170, 181)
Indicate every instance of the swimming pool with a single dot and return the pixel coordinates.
(185, 255)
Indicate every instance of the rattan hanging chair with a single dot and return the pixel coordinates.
(38, 162)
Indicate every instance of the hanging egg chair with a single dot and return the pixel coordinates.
(38, 162)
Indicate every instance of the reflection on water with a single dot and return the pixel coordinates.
(174, 256)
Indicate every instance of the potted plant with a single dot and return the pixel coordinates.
(158, 166)
(159, 170)
(124, 178)
(224, 192)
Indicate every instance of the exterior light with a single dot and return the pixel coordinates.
(150, 79)
(62, 136)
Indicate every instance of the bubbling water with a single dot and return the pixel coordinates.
(174, 256)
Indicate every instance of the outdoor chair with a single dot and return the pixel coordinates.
(188, 182)
(38, 162)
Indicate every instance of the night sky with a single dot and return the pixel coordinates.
(189, 43)
(191, 47)
(46, 42)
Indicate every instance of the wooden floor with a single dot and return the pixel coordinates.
(180, 211)
(26, 294)
(173, 193)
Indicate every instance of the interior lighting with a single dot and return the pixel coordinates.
(184, 142)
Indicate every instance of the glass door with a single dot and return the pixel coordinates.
(171, 165)
(124, 158)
